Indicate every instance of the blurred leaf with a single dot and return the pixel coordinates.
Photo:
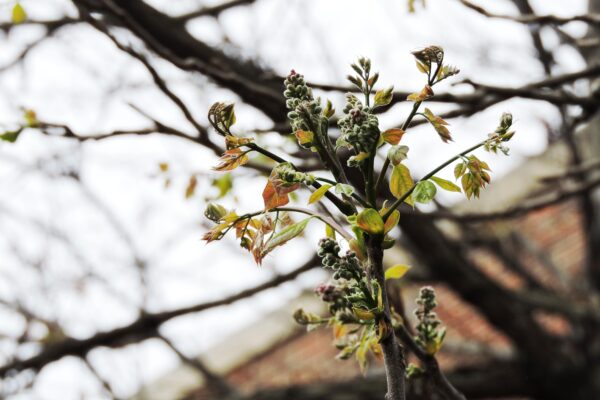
(18, 14)
(11, 136)
(319, 193)
(163, 166)
(224, 183)
(191, 187)
(396, 272)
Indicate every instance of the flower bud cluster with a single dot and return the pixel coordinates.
(350, 287)
(305, 110)
(359, 127)
(427, 328)
(336, 297)
(289, 175)
(346, 267)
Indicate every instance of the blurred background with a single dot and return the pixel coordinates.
(108, 291)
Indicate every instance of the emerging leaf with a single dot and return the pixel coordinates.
(233, 141)
(319, 193)
(305, 138)
(384, 97)
(397, 154)
(231, 159)
(424, 68)
(460, 169)
(342, 188)
(396, 272)
(445, 184)
(401, 182)
(274, 196)
(424, 94)
(370, 221)
(282, 237)
(393, 136)
(424, 192)
(439, 125)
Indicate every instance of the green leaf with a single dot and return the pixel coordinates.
(342, 188)
(424, 192)
(224, 183)
(396, 272)
(11, 136)
(401, 182)
(319, 193)
(446, 185)
(18, 14)
(370, 221)
(384, 97)
(284, 236)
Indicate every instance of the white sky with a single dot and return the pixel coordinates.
(80, 79)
